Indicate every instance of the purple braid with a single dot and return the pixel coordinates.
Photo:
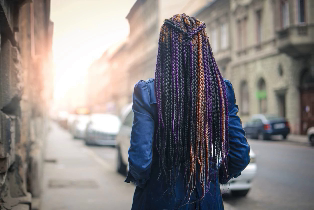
(192, 106)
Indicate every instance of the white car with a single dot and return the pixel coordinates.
(70, 122)
(239, 186)
(62, 118)
(123, 139)
(79, 126)
(102, 130)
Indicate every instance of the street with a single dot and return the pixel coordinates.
(79, 177)
(284, 177)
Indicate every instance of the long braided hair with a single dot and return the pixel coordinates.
(192, 130)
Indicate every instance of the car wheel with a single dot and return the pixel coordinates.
(240, 193)
(267, 137)
(260, 136)
(121, 167)
(87, 141)
(284, 137)
(312, 140)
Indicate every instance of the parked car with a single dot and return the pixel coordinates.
(79, 126)
(310, 134)
(123, 139)
(262, 126)
(239, 186)
(102, 129)
(62, 118)
(70, 122)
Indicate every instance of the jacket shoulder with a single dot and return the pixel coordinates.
(230, 92)
(146, 87)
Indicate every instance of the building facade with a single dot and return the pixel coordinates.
(125, 63)
(272, 50)
(142, 41)
(108, 81)
(264, 47)
(135, 58)
(25, 92)
(96, 73)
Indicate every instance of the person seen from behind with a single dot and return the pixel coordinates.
(186, 137)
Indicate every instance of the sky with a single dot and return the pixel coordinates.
(83, 30)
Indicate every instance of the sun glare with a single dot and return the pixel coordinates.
(83, 30)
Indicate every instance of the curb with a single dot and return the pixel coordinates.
(298, 143)
(98, 159)
(228, 207)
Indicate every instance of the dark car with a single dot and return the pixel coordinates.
(102, 130)
(263, 126)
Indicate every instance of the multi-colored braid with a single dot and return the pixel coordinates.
(192, 131)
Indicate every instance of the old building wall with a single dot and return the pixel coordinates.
(97, 78)
(136, 58)
(268, 69)
(142, 43)
(279, 63)
(143, 40)
(23, 99)
(257, 49)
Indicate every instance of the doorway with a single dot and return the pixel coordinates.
(307, 101)
(281, 98)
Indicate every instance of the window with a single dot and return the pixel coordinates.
(284, 13)
(262, 96)
(244, 94)
(241, 24)
(214, 40)
(273, 117)
(244, 32)
(259, 26)
(224, 35)
(301, 11)
(257, 122)
(280, 70)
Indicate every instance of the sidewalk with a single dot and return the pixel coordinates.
(294, 139)
(298, 139)
(74, 179)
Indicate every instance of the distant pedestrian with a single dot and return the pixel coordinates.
(186, 136)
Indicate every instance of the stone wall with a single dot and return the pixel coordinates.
(25, 61)
(265, 60)
(255, 60)
(268, 69)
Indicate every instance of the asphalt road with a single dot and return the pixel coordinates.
(284, 180)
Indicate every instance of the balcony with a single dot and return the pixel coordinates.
(296, 41)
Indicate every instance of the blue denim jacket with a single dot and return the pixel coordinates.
(143, 157)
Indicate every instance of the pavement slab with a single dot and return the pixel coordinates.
(74, 180)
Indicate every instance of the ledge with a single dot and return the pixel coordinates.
(296, 41)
